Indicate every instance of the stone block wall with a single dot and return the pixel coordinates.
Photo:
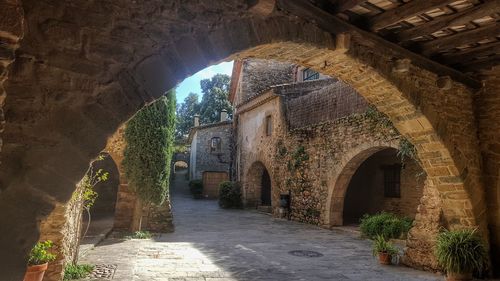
(63, 228)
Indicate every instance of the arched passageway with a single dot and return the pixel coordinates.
(82, 82)
(383, 183)
(180, 166)
(257, 186)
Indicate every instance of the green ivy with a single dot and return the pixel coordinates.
(150, 142)
(407, 150)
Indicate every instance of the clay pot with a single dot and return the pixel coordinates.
(384, 258)
(35, 272)
(459, 276)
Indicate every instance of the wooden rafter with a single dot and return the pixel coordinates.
(471, 53)
(489, 7)
(344, 5)
(479, 64)
(307, 11)
(460, 38)
(403, 12)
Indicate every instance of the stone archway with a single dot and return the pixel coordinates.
(82, 82)
(257, 185)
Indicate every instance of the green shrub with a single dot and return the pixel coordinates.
(140, 235)
(150, 142)
(40, 253)
(381, 245)
(77, 271)
(230, 195)
(385, 224)
(461, 251)
(196, 188)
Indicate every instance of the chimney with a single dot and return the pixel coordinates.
(196, 120)
(223, 115)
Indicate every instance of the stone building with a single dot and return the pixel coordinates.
(321, 142)
(210, 153)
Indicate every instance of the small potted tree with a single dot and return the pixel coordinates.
(461, 253)
(383, 249)
(38, 261)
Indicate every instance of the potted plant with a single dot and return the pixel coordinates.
(461, 253)
(383, 249)
(196, 188)
(38, 261)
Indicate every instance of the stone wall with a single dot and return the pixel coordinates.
(311, 162)
(205, 160)
(63, 228)
(258, 75)
(488, 112)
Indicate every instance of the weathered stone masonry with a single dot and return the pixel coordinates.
(83, 68)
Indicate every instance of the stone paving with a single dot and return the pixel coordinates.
(210, 244)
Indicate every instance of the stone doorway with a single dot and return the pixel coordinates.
(265, 195)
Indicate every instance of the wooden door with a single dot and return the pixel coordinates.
(211, 181)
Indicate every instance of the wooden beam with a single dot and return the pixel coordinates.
(471, 53)
(487, 8)
(326, 21)
(460, 38)
(484, 63)
(403, 12)
(344, 5)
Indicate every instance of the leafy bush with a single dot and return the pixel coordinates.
(385, 224)
(40, 253)
(230, 195)
(77, 271)
(140, 235)
(461, 251)
(381, 245)
(150, 142)
(196, 188)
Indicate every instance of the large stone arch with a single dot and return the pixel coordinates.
(78, 75)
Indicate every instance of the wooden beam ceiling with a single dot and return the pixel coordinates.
(460, 39)
(471, 53)
(344, 5)
(403, 12)
(487, 8)
(308, 11)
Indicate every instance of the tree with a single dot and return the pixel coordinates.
(150, 140)
(185, 116)
(215, 98)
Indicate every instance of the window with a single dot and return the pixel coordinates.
(269, 125)
(309, 74)
(392, 180)
(215, 145)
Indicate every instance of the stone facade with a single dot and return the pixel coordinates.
(206, 156)
(79, 73)
(322, 133)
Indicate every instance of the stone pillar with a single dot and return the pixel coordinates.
(63, 228)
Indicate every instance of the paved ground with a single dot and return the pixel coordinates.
(211, 244)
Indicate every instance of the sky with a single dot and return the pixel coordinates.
(192, 84)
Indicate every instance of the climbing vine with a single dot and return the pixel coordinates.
(150, 142)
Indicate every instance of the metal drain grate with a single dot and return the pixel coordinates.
(307, 254)
(103, 271)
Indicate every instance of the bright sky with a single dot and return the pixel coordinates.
(192, 84)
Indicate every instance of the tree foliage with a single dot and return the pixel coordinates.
(185, 115)
(150, 142)
(215, 98)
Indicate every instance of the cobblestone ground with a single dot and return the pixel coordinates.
(210, 244)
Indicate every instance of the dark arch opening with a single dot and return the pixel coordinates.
(265, 195)
(383, 183)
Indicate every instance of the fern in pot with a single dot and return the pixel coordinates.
(383, 249)
(461, 253)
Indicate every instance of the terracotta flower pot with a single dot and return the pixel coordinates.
(384, 258)
(35, 272)
(458, 276)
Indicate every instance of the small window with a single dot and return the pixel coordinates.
(215, 145)
(269, 125)
(309, 74)
(392, 181)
